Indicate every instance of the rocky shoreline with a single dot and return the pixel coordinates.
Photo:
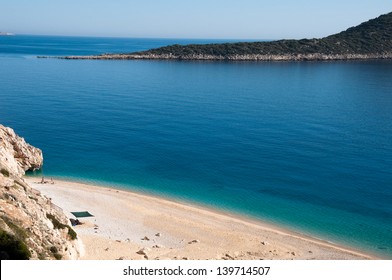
(369, 40)
(250, 57)
(31, 226)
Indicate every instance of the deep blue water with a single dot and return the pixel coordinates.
(306, 145)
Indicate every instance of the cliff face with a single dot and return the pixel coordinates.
(31, 227)
(16, 155)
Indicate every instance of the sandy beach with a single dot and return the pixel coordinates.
(129, 225)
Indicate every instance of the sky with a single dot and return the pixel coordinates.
(215, 19)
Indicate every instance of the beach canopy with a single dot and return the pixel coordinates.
(84, 214)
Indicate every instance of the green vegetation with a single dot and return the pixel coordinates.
(5, 172)
(55, 253)
(57, 256)
(372, 37)
(41, 256)
(12, 248)
(54, 249)
(19, 232)
(58, 225)
(72, 233)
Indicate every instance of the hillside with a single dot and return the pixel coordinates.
(374, 36)
(369, 40)
(31, 227)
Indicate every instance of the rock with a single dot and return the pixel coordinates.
(25, 212)
(194, 241)
(146, 238)
(229, 257)
(158, 234)
(16, 155)
(237, 57)
(157, 246)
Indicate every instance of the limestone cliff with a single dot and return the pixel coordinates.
(31, 227)
(16, 155)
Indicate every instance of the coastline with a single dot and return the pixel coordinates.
(246, 57)
(130, 225)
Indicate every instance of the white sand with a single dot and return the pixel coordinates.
(122, 219)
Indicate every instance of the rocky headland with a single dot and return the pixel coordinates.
(245, 57)
(367, 41)
(31, 227)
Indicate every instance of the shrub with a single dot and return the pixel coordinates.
(72, 233)
(41, 256)
(12, 248)
(57, 256)
(19, 232)
(58, 225)
(54, 249)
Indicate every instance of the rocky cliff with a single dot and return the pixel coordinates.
(31, 227)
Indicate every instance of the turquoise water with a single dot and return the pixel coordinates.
(306, 145)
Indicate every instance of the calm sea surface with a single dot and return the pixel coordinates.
(306, 145)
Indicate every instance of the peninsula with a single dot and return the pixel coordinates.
(369, 40)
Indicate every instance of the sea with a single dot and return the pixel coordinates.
(305, 145)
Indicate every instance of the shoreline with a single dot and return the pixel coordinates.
(288, 57)
(240, 233)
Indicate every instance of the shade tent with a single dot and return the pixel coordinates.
(84, 214)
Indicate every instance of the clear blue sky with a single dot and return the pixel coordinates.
(236, 19)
